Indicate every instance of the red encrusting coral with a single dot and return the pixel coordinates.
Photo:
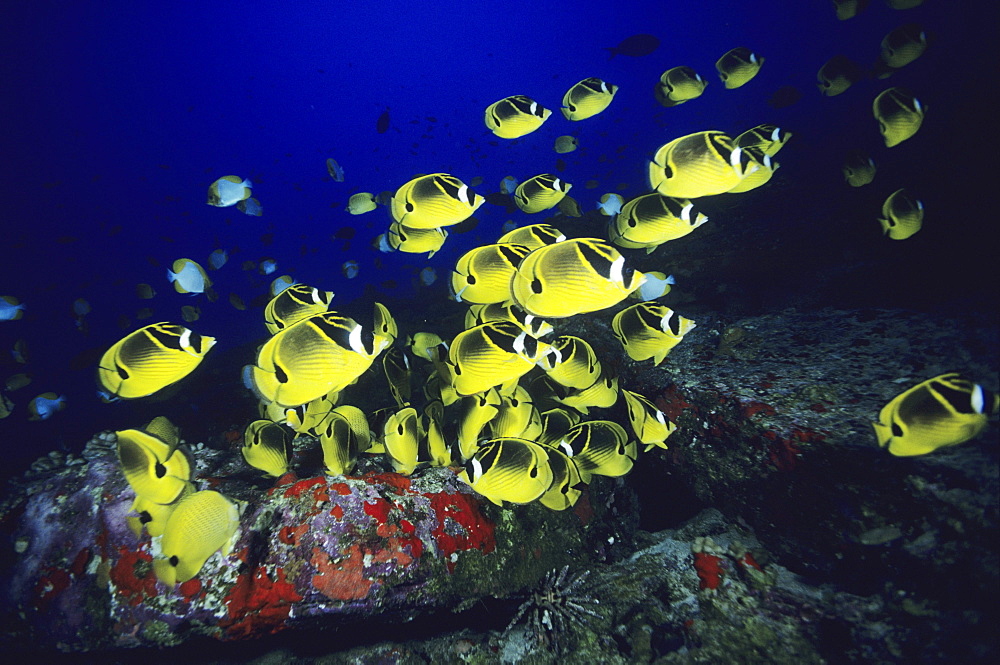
(463, 509)
(709, 570)
(258, 605)
(298, 488)
(133, 575)
(343, 580)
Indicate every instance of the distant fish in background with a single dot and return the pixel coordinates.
(188, 277)
(382, 124)
(6, 406)
(859, 168)
(20, 352)
(899, 48)
(190, 313)
(361, 203)
(902, 215)
(849, 8)
(428, 276)
(11, 309)
(17, 381)
(635, 46)
(144, 291)
(45, 405)
(837, 75)
(279, 284)
(508, 184)
(350, 269)
(217, 259)
(237, 302)
(565, 144)
(783, 97)
(335, 170)
(81, 307)
(737, 66)
(250, 207)
(267, 266)
(899, 115)
(228, 190)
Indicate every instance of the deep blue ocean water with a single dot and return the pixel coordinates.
(117, 116)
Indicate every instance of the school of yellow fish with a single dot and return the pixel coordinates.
(507, 401)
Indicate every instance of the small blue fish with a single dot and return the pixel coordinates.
(428, 276)
(610, 204)
(280, 284)
(508, 185)
(350, 269)
(218, 258)
(335, 170)
(267, 266)
(43, 406)
(11, 309)
(508, 226)
(250, 207)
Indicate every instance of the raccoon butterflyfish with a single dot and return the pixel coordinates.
(190, 313)
(599, 447)
(610, 204)
(317, 355)
(293, 304)
(766, 169)
(44, 406)
(279, 284)
(943, 411)
(508, 469)
(738, 66)
(573, 277)
(228, 190)
(532, 325)
(482, 275)
(567, 482)
(384, 326)
(902, 46)
(428, 346)
(540, 193)
(307, 418)
(145, 291)
(657, 285)
(603, 394)
(515, 116)
(587, 98)
(188, 276)
(859, 168)
(361, 203)
(402, 437)
(358, 422)
(566, 144)
(154, 469)
(899, 115)
(555, 423)
(475, 411)
(266, 447)
(17, 381)
(768, 138)
(698, 164)
(11, 309)
(678, 85)
(848, 8)
(340, 444)
(533, 236)
(250, 206)
(516, 417)
(649, 424)
(150, 359)
(650, 330)
(492, 354)
(439, 450)
(201, 524)
(837, 75)
(396, 366)
(572, 363)
(335, 170)
(434, 200)
(648, 221)
(902, 215)
(152, 516)
(415, 241)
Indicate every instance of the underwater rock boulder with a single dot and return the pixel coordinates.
(311, 550)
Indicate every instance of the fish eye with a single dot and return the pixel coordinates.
(160, 470)
(280, 373)
(536, 286)
(174, 561)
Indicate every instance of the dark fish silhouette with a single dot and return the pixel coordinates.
(382, 126)
(634, 46)
(784, 96)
